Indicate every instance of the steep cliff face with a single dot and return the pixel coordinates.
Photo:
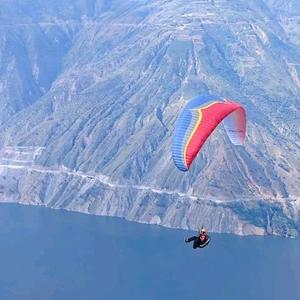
(95, 89)
(97, 194)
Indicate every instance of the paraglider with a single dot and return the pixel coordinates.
(199, 241)
(197, 121)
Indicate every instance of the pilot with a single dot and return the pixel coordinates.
(200, 240)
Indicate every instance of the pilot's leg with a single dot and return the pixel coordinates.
(195, 244)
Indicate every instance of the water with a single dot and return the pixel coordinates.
(48, 254)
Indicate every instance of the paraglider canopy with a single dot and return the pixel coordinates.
(197, 121)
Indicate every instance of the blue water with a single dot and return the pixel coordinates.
(49, 254)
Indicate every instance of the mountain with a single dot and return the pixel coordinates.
(90, 92)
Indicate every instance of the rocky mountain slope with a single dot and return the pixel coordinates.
(90, 92)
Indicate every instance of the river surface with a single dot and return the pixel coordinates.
(55, 254)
